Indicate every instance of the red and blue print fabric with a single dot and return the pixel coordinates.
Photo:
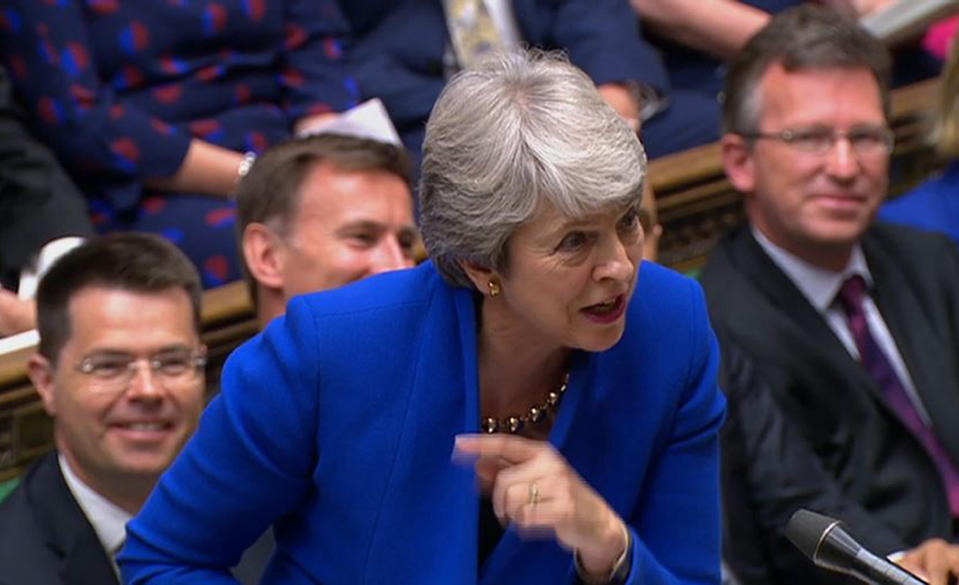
(119, 89)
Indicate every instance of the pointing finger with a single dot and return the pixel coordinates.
(511, 448)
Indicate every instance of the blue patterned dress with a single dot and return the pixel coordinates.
(118, 89)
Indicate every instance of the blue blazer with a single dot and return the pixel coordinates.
(932, 206)
(336, 425)
(399, 47)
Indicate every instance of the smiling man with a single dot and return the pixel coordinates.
(119, 367)
(320, 212)
(840, 336)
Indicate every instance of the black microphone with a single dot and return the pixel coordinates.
(824, 541)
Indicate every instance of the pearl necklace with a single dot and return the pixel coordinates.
(536, 414)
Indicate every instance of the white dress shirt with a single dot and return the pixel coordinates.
(109, 520)
(820, 287)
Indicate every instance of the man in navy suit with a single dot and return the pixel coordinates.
(119, 368)
(403, 55)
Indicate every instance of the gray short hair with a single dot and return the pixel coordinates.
(522, 129)
(805, 37)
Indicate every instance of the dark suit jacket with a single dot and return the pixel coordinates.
(808, 427)
(45, 539)
(38, 202)
(400, 44)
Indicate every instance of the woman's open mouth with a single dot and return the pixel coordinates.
(606, 312)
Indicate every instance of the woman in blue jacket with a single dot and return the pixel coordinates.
(575, 392)
(151, 105)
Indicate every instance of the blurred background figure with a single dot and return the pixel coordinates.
(934, 205)
(938, 39)
(42, 214)
(649, 219)
(405, 52)
(698, 38)
(155, 107)
(320, 212)
(120, 369)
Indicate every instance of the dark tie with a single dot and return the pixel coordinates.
(876, 362)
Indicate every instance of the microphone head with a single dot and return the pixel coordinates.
(828, 545)
(806, 530)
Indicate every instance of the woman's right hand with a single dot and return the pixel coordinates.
(534, 488)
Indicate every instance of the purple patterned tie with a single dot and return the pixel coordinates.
(877, 364)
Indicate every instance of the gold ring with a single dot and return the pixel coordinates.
(533, 494)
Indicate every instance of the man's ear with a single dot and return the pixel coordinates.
(480, 275)
(41, 373)
(265, 255)
(739, 162)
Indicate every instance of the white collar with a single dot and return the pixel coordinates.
(818, 285)
(108, 520)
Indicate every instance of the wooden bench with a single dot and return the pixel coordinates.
(696, 205)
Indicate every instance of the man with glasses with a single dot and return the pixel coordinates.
(840, 336)
(119, 367)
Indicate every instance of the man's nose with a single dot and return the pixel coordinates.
(842, 161)
(145, 382)
(615, 262)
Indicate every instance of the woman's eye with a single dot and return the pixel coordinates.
(630, 220)
(572, 241)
